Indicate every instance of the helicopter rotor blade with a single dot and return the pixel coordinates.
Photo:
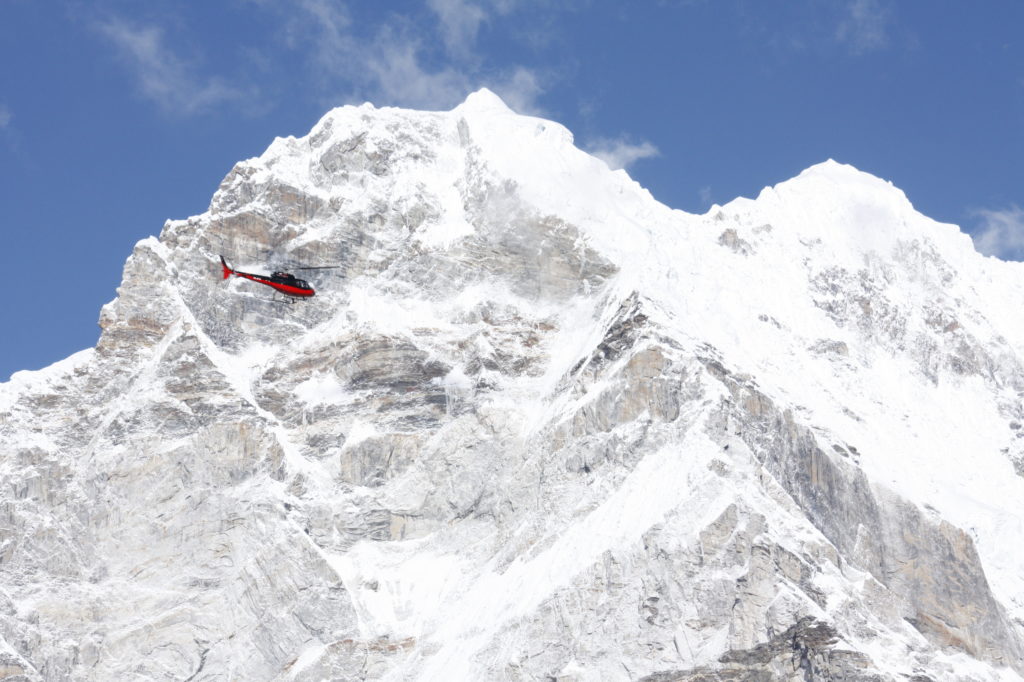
(287, 267)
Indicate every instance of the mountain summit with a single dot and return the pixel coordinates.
(533, 425)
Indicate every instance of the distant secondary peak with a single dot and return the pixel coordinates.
(832, 166)
(844, 173)
(837, 184)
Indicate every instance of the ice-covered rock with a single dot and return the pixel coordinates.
(534, 425)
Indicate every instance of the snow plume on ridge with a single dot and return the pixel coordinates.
(621, 153)
(1000, 233)
(533, 424)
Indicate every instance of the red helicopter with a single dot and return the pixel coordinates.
(284, 282)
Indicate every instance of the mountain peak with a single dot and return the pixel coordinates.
(844, 173)
(484, 100)
(856, 211)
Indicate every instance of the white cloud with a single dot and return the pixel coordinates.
(520, 91)
(164, 77)
(1000, 233)
(705, 195)
(621, 153)
(865, 26)
(388, 64)
(5, 115)
(331, 41)
(460, 21)
(381, 64)
(398, 76)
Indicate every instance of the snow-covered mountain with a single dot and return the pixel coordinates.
(536, 425)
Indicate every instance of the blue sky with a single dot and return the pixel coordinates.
(116, 115)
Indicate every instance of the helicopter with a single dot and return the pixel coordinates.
(283, 282)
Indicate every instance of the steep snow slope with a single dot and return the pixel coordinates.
(534, 424)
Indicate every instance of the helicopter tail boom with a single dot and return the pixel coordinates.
(227, 271)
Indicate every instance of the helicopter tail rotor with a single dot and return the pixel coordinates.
(227, 270)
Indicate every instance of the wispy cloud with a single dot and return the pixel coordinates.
(384, 66)
(9, 137)
(397, 74)
(397, 62)
(520, 90)
(705, 195)
(621, 153)
(163, 76)
(1000, 233)
(322, 26)
(865, 26)
(460, 21)
(820, 27)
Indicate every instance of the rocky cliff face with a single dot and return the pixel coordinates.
(534, 426)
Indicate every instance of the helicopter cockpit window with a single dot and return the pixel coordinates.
(301, 283)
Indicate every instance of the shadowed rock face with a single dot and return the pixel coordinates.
(805, 651)
(491, 447)
(930, 565)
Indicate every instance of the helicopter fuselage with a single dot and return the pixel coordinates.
(284, 282)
